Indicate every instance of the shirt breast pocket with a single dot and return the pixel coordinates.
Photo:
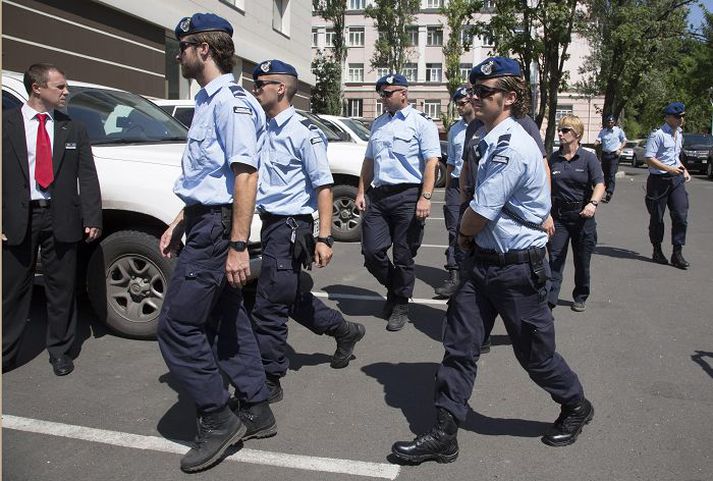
(196, 143)
(401, 146)
(280, 167)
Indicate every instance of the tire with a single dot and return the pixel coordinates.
(709, 169)
(346, 218)
(127, 280)
(441, 173)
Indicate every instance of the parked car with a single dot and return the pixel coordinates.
(638, 158)
(627, 153)
(137, 149)
(697, 152)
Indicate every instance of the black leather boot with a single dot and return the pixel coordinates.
(398, 317)
(569, 424)
(217, 431)
(259, 421)
(677, 259)
(658, 256)
(439, 444)
(450, 285)
(346, 335)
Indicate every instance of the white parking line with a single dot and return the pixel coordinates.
(154, 443)
(358, 244)
(335, 296)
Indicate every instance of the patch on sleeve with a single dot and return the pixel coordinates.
(237, 90)
(242, 110)
(423, 114)
(500, 159)
(315, 140)
(503, 141)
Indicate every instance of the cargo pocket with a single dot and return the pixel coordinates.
(278, 280)
(195, 295)
(538, 342)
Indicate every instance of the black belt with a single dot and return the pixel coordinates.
(519, 256)
(562, 207)
(665, 176)
(200, 209)
(388, 189)
(40, 203)
(268, 217)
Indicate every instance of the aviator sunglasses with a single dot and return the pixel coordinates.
(483, 92)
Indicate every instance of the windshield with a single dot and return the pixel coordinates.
(332, 136)
(631, 144)
(703, 140)
(358, 128)
(113, 116)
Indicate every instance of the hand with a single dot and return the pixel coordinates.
(677, 170)
(465, 243)
(549, 226)
(423, 208)
(93, 233)
(589, 210)
(360, 202)
(237, 267)
(686, 176)
(171, 240)
(322, 254)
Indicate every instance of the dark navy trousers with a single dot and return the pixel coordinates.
(452, 213)
(390, 221)
(610, 166)
(513, 292)
(279, 296)
(667, 190)
(203, 327)
(582, 232)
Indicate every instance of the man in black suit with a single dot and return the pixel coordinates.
(50, 199)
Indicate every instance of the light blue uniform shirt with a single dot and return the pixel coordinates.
(611, 138)
(399, 146)
(293, 163)
(511, 172)
(228, 127)
(456, 142)
(664, 147)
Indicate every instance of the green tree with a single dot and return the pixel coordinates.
(326, 94)
(391, 19)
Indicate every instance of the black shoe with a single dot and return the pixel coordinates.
(439, 444)
(485, 347)
(450, 286)
(398, 318)
(677, 259)
(569, 424)
(217, 431)
(388, 309)
(579, 307)
(347, 335)
(273, 385)
(658, 256)
(259, 421)
(62, 365)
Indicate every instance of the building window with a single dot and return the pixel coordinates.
(381, 71)
(412, 33)
(488, 40)
(467, 35)
(329, 40)
(432, 108)
(563, 110)
(488, 5)
(432, 3)
(355, 72)
(356, 37)
(354, 107)
(315, 37)
(281, 16)
(356, 5)
(239, 4)
(410, 72)
(434, 72)
(379, 109)
(434, 37)
(465, 71)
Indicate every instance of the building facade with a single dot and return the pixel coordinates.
(426, 66)
(130, 44)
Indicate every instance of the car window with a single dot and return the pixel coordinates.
(113, 116)
(332, 136)
(631, 144)
(702, 140)
(358, 128)
(9, 101)
(184, 115)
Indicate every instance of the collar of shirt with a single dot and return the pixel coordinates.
(29, 113)
(669, 130)
(283, 117)
(214, 85)
(577, 154)
(404, 112)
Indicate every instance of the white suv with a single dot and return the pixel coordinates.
(137, 150)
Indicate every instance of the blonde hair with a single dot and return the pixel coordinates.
(573, 122)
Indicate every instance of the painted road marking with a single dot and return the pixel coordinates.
(335, 296)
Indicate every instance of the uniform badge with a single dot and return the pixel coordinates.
(265, 66)
(390, 79)
(70, 146)
(500, 159)
(241, 110)
(487, 68)
(185, 24)
(315, 140)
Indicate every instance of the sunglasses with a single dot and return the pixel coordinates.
(388, 93)
(261, 83)
(680, 116)
(564, 130)
(182, 46)
(462, 103)
(483, 92)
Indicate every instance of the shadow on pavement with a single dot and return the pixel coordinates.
(179, 422)
(707, 366)
(619, 253)
(432, 276)
(357, 307)
(299, 360)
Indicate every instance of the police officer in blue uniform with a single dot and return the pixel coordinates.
(501, 231)
(577, 189)
(665, 185)
(203, 327)
(451, 209)
(294, 182)
(612, 139)
(394, 193)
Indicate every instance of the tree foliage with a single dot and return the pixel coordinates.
(391, 19)
(326, 94)
(333, 11)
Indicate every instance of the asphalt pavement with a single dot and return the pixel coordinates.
(643, 351)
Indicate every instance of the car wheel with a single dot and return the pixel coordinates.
(709, 169)
(127, 280)
(634, 161)
(441, 173)
(346, 218)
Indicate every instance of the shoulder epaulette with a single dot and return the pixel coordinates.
(503, 141)
(307, 123)
(237, 90)
(423, 114)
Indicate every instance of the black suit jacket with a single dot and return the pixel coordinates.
(76, 198)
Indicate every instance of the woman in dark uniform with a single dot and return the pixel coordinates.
(577, 189)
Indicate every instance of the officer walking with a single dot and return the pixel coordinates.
(451, 209)
(395, 188)
(507, 273)
(294, 181)
(612, 139)
(203, 327)
(665, 185)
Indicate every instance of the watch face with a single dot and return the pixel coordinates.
(426, 195)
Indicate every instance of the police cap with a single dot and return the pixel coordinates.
(395, 79)
(202, 22)
(610, 118)
(495, 67)
(273, 67)
(675, 108)
(460, 93)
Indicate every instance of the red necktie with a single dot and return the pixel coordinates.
(43, 155)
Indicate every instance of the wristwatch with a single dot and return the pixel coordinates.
(239, 246)
(594, 202)
(426, 195)
(329, 240)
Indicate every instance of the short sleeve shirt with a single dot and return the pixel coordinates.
(573, 180)
(456, 143)
(664, 144)
(611, 139)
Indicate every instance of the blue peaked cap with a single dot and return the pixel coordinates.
(202, 22)
(495, 67)
(460, 93)
(395, 79)
(675, 108)
(273, 67)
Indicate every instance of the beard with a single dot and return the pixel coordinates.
(188, 70)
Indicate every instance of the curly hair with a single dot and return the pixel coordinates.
(521, 107)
